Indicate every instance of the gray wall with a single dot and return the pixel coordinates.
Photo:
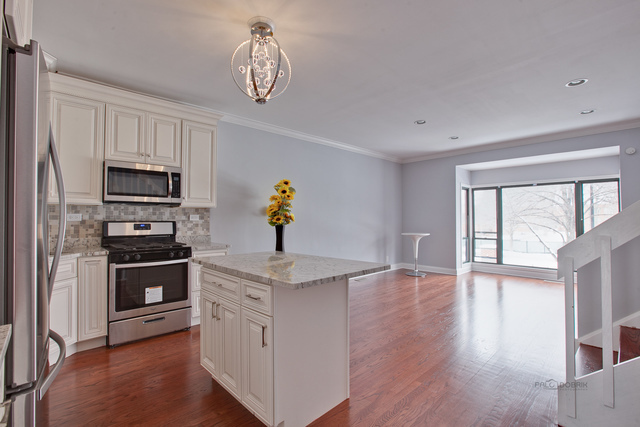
(430, 199)
(347, 205)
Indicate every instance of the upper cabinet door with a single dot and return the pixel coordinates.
(125, 136)
(19, 16)
(78, 127)
(199, 164)
(164, 140)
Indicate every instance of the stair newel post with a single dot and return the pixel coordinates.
(604, 245)
(570, 333)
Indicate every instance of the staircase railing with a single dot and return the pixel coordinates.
(595, 244)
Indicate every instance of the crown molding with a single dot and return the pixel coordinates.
(254, 124)
(85, 88)
(556, 136)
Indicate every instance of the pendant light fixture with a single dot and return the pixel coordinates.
(259, 67)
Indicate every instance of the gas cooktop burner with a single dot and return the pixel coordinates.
(141, 246)
(152, 241)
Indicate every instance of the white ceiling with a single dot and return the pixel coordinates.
(490, 72)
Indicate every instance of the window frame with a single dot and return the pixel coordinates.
(578, 215)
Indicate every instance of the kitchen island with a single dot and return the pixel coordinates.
(275, 331)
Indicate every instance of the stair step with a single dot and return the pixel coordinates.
(629, 343)
(589, 359)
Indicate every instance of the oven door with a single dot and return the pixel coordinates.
(139, 289)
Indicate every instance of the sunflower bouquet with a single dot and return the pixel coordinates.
(279, 211)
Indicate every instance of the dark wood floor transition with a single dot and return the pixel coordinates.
(472, 350)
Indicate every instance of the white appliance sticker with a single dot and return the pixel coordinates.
(153, 294)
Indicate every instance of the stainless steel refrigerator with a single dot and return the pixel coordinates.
(26, 151)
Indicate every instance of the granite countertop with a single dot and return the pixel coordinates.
(78, 251)
(294, 271)
(208, 247)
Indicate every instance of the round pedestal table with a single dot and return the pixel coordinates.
(416, 238)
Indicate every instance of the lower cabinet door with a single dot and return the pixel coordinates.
(63, 314)
(208, 333)
(229, 363)
(92, 297)
(257, 364)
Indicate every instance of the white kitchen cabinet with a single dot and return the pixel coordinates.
(208, 343)
(196, 272)
(199, 151)
(294, 342)
(92, 297)
(125, 137)
(92, 122)
(164, 133)
(220, 342)
(63, 315)
(236, 343)
(78, 128)
(63, 308)
(257, 364)
(19, 18)
(228, 335)
(134, 135)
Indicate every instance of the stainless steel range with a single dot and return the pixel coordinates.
(149, 291)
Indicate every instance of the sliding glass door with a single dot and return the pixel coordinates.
(526, 225)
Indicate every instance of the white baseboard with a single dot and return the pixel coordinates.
(466, 268)
(595, 338)
(430, 268)
(512, 270)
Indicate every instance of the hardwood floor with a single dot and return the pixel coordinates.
(442, 350)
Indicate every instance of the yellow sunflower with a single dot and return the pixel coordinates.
(274, 198)
(288, 196)
(293, 218)
(272, 209)
(283, 191)
(278, 219)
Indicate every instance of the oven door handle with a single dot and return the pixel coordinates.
(150, 264)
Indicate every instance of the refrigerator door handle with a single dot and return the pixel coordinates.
(57, 169)
(53, 372)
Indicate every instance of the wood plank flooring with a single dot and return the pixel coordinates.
(472, 350)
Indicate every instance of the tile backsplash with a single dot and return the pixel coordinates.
(88, 231)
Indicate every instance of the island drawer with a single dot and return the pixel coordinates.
(257, 296)
(221, 284)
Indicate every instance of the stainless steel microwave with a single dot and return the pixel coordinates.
(139, 183)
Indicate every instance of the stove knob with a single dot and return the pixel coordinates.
(180, 254)
(137, 257)
(125, 257)
(171, 254)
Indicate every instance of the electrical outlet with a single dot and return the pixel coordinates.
(194, 217)
(74, 217)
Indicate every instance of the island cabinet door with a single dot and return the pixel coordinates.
(229, 363)
(257, 364)
(208, 333)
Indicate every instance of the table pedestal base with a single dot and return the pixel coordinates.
(416, 274)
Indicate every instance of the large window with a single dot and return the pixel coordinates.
(526, 225)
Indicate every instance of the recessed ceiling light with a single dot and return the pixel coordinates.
(420, 122)
(576, 82)
(587, 111)
(453, 137)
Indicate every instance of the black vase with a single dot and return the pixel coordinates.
(280, 238)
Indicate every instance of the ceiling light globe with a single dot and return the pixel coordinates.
(259, 63)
